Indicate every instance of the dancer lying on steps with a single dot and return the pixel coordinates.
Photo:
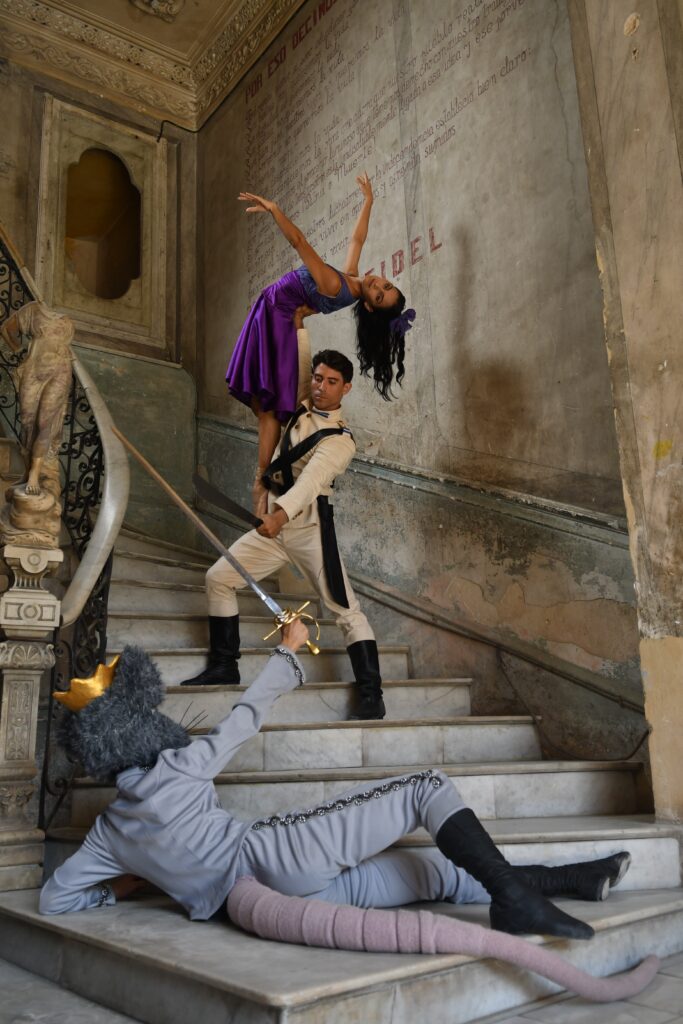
(167, 826)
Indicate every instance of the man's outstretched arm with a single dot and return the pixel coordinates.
(204, 758)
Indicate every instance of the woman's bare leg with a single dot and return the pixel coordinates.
(269, 428)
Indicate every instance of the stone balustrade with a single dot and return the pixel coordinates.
(29, 614)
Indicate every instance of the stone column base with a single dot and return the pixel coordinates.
(28, 615)
(21, 859)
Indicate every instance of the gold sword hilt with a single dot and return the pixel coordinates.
(289, 616)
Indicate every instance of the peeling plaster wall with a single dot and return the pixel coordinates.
(569, 592)
(152, 400)
(152, 404)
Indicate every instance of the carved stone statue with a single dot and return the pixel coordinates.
(32, 516)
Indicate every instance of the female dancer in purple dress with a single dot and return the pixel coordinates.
(264, 367)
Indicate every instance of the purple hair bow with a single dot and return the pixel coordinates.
(403, 323)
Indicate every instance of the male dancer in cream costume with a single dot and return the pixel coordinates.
(292, 532)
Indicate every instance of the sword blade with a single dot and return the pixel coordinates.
(220, 500)
(269, 602)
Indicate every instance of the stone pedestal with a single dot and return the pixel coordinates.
(29, 614)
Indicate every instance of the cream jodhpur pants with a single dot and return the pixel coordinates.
(261, 556)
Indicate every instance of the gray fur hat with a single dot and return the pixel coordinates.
(122, 728)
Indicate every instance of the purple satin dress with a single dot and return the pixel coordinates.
(265, 360)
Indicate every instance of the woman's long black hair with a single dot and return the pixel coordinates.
(378, 347)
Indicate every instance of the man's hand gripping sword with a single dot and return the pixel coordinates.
(282, 616)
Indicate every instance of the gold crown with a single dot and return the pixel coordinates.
(83, 691)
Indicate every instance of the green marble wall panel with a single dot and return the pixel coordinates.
(153, 404)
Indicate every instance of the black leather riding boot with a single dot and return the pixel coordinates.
(515, 907)
(365, 663)
(224, 650)
(590, 880)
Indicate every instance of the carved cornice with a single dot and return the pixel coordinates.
(38, 51)
(168, 10)
(62, 44)
(70, 28)
(238, 46)
(254, 19)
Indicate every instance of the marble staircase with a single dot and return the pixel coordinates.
(146, 961)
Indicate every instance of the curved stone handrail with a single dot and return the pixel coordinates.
(112, 509)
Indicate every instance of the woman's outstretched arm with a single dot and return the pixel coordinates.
(360, 231)
(326, 278)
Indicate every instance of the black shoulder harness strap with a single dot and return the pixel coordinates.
(289, 455)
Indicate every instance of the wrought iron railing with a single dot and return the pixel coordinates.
(14, 293)
(90, 512)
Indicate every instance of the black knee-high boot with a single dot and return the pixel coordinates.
(590, 880)
(515, 906)
(224, 650)
(365, 663)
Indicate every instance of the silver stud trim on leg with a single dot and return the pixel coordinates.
(354, 800)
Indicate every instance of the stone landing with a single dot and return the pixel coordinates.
(27, 998)
(145, 959)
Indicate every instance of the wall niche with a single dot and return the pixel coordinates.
(102, 223)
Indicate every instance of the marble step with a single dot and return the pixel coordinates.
(131, 566)
(387, 744)
(327, 701)
(653, 846)
(523, 789)
(131, 595)
(134, 540)
(26, 997)
(331, 664)
(154, 570)
(146, 959)
(517, 789)
(174, 629)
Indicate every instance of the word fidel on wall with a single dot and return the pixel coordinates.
(416, 251)
(279, 260)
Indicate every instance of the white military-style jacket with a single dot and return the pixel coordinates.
(315, 472)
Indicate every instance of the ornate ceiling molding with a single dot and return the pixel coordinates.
(63, 27)
(168, 10)
(237, 48)
(41, 52)
(43, 38)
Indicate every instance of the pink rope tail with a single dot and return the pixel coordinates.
(310, 922)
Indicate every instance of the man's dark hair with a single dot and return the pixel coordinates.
(336, 361)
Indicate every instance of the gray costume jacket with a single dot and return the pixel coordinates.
(166, 824)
